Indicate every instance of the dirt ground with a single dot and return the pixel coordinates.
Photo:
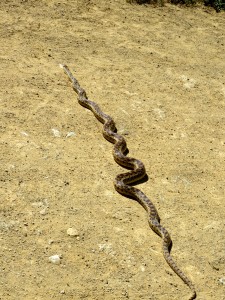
(159, 72)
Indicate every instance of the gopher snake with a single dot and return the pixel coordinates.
(122, 181)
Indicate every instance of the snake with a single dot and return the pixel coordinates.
(124, 182)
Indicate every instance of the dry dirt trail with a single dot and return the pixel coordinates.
(159, 72)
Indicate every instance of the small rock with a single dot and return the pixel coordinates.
(72, 232)
(218, 263)
(222, 280)
(24, 133)
(55, 259)
(56, 132)
(43, 211)
(142, 267)
(69, 134)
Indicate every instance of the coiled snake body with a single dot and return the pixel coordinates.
(122, 181)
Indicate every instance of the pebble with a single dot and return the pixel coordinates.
(72, 232)
(69, 134)
(43, 211)
(222, 280)
(24, 133)
(55, 259)
(56, 132)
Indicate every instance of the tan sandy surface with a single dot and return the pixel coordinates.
(159, 72)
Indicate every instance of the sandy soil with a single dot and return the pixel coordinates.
(159, 72)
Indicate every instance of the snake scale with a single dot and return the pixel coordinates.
(122, 182)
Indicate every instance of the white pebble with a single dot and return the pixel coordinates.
(72, 232)
(222, 280)
(69, 134)
(142, 267)
(55, 259)
(43, 211)
(24, 133)
(56, 132)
